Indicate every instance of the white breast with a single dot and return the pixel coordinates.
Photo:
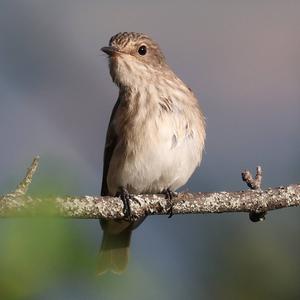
(162, 149)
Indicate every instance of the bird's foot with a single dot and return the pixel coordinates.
(170, 200)
(125, 197)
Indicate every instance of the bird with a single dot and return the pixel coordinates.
(155, 137)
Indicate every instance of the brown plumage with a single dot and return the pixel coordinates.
(155, 136)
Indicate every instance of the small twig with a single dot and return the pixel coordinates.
(24, 184)
(254, 184)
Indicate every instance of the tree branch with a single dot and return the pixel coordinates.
(92, 207)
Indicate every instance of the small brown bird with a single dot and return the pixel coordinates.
(155, 136)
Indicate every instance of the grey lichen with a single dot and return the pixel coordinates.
(93, 207)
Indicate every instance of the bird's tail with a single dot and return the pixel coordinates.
(113, 255)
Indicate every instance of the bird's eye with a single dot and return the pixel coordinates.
(142, 50)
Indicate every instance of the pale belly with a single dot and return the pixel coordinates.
(157, 162)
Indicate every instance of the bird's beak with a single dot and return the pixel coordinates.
(110, 50)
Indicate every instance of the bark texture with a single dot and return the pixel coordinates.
(254, 201)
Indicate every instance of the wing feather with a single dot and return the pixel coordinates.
(110, 144)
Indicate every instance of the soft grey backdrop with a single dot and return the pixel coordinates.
(241, 58)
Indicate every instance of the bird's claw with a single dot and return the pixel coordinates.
(125, 197)
(170, 199)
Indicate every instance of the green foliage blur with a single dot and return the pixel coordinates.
(35, 253)
(39, 252)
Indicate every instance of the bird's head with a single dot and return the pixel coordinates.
(134, 59)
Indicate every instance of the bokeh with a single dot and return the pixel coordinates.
(241, 58)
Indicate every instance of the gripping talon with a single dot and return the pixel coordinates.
(170, 199)
(125, 197)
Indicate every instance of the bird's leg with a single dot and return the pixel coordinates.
(125, 197)
(170, 199)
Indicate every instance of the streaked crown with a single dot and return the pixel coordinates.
(138, 45)
(134, 58)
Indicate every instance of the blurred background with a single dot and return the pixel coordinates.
(241, 58)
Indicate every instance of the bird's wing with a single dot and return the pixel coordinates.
(110, 144)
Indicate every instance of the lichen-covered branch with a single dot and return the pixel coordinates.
(94, 207)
